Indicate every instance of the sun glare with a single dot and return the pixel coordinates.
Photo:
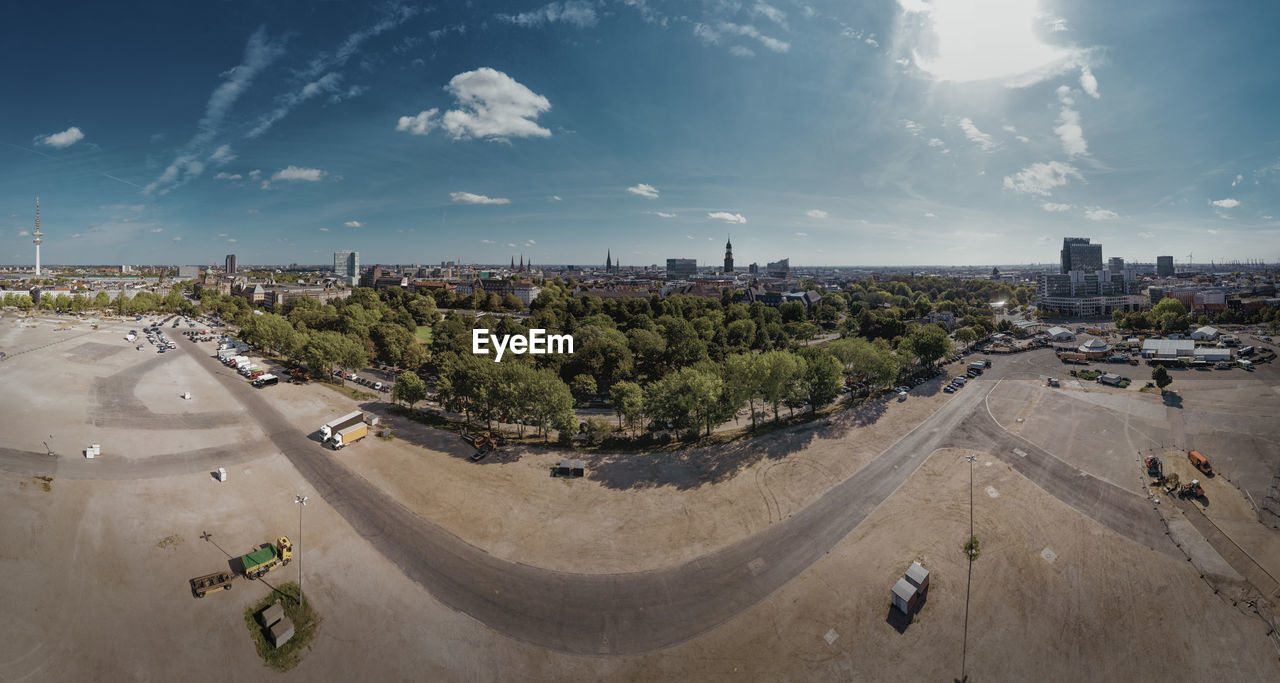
(976, 40)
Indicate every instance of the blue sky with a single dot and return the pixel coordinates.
(876, 133)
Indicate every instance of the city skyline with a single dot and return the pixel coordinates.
(864, 136)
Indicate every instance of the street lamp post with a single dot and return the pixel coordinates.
(964, 657)
(301, 501)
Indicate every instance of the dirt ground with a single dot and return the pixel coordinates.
(97, 568)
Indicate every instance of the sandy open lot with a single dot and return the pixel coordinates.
(99, 566)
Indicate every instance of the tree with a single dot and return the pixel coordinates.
(583, 386)
(423, 309)
(778, 371)
(628, 402)
(743, 375)
(410, 388)
(965, 335)
(596, 429)
(1161, 377)
(819, 378)
(1168, 305)
(326, 350)
(928, 343)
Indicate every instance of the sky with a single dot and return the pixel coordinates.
(889, 132)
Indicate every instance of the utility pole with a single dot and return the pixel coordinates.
(301, 502)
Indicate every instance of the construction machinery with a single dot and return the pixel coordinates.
(1200, 462)
(483, 442)
(1155, 468)
(267, 558)
(1191, 489)
(211, 582)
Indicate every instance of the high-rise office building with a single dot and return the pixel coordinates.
(1079, 254)
(1115, 264)
(231, 264)
(1164, 266)
(681, 268)
(346, 265)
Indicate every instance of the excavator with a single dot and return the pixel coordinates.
(483, 442)
(1191, 489)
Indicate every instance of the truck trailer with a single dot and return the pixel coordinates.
(332, 427)
(350, 435)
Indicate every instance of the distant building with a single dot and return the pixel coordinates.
(1205, 333)
(753, 269)
(681, 268)
(1061, 334)
(1115, 264)
(779, 269)
(346, 265)
(1164, 266)
(1079, 254)
(188, 272)
(728, 256)
(1168, 349)
(231, 264)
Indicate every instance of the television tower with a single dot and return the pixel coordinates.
(37, 235)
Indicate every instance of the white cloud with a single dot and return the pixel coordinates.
(157, 230)
(935, 142)
(469, 198)
(222, 234)
(816, 213)
(1055, 207)
(1227, 203)
(66, 138)
(493, 106)
(354, 224)
(1100, 214)
(258, 54)
(1041, 178)
(1071, 134)
(421, 124)
(177, 239)
(1239, 179)
(713, 36)
(1009, 128)
(1022, 138)
(232, 240)
(251, 211)
(222, 155)
(1089, 82)
(255, 173)
(1064, 95)
(663, 214)
(726, 217)
(976, 136)
(872, 42)
(487, 242)
(323, 229)
(575, 12)
(554, 198)
(930, 214)
(802, 234)
(740, 51)
(644, 190)
(223, 175)
(24, 233)
(774, 14)
(1057, 25)
(912, 127)
(1146, 235)
(310, 175)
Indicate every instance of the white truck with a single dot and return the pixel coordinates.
(328, 429)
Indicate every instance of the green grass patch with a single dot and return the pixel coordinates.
(971, 548)
(1124, 384)
(1088, 375)
(305, 625)
(349, 392)
(423, 334)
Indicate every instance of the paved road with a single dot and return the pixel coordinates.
(601, 613)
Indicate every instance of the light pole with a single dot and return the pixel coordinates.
(964, 657)
(301, 501)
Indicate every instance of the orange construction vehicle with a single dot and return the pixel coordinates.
(1200, 462)
(1191, 489)
(1154, 466)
